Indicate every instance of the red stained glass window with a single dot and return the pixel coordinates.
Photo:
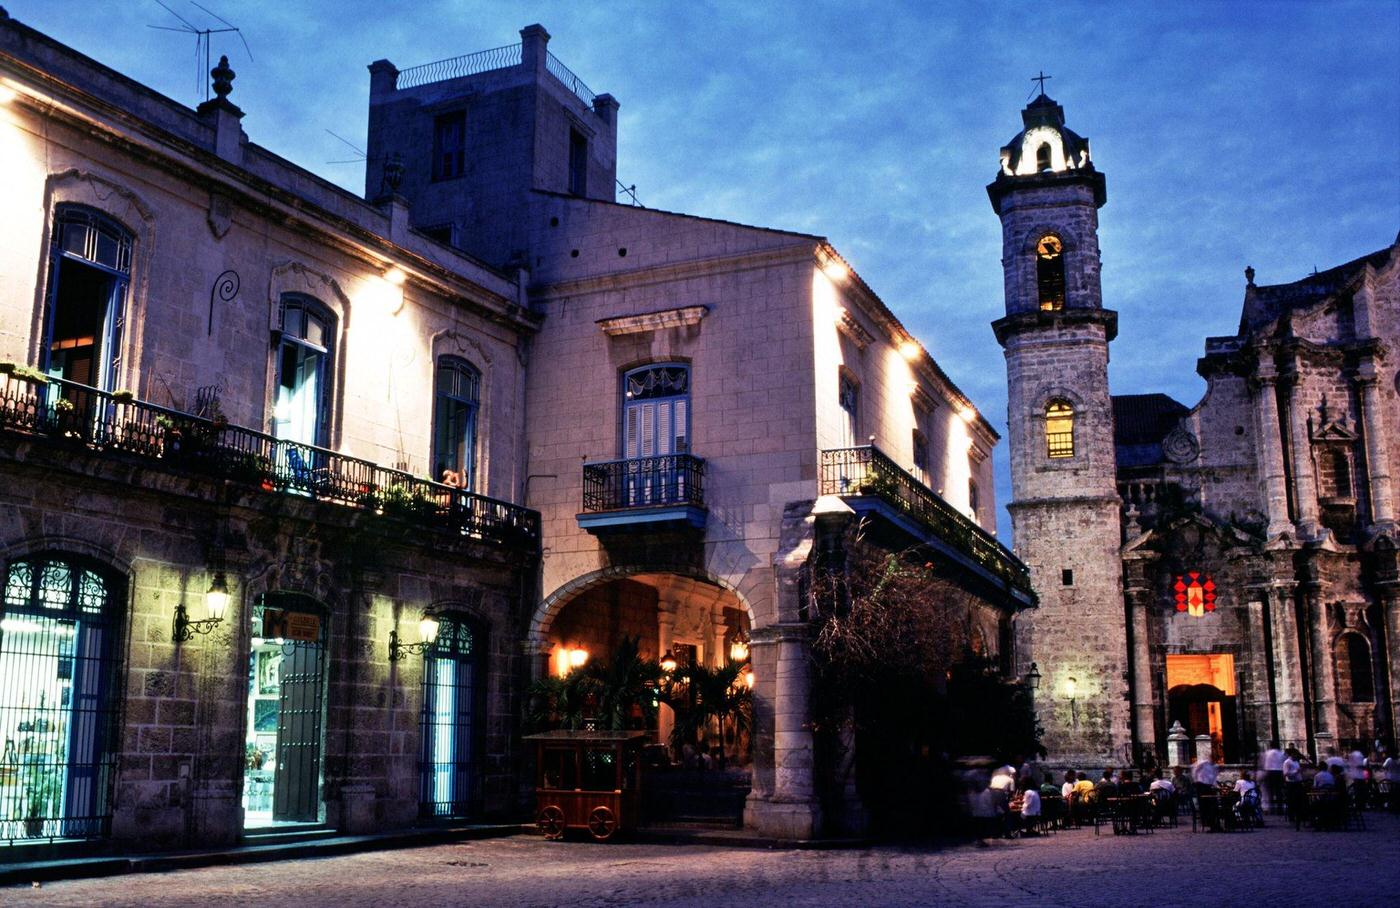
(1195, 593)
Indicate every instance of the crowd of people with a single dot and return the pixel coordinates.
(1011, 800)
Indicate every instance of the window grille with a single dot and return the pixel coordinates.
(448, 722)
(58, 699)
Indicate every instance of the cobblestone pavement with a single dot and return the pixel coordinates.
(1274, 866)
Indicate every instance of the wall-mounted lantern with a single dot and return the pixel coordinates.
(427, 636)
(1033, 678)
(215, 602)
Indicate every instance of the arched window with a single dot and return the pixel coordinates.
(1050, 273)
(453, 685)
(1059, 429)
(89, 269)
(1042, 157)
(1356, 682)
(301, 412)
(59, 655)
(455, 409)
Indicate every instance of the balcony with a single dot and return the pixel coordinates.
(116, 423)
(649, 492)
(871, 483)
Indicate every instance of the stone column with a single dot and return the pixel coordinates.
(1304, 476)
(1270, 450)
(791, 811)
(1324, 694)
(1289, 702)
(1390, 608)
(1377, 451)
(665, 639)
(1144, 705)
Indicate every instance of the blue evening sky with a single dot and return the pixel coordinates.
(1232, 134)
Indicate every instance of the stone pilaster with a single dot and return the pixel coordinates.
(1304, 475)
(1323, 688)
(1289, 702)
(1390, 609)
(1377, 450)
(1144, 705)
(1270, 450)
(665, 639)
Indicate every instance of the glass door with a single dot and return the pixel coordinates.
(286, 686)
(450, 692)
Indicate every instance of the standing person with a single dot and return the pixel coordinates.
(1030, 808)
(1272, 764)
(1358, 777)
(1295, 794)
(1391, 769)
(1203, 776)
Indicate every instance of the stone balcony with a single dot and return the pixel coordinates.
(644, 493)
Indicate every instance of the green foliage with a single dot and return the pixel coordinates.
(721, 700)
(609, 693)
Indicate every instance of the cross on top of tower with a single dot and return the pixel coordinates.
(1041, 79)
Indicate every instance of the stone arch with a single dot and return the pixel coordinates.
(134, 214)
(551, 605)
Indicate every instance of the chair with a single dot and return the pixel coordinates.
(1249, 811)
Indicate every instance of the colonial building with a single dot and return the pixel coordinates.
(1231, 566)
(267, 450)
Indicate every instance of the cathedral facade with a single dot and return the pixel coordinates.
(1231, 566)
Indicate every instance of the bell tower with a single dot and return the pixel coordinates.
(1064, 509)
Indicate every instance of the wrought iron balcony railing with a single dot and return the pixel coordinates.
(867, 471)
(644, 482)
(105, 421)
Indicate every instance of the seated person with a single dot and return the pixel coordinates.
(1030, 807)
(1161, 784)
(1245, 785)
(1068, 788)
(1107, 787)
(1324, 779)
(1127, 786)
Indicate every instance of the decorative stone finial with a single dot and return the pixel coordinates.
(1249, 275)
(223, 77)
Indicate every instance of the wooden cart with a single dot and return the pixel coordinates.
(587, 780)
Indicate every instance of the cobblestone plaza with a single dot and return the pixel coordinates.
(1276, 865)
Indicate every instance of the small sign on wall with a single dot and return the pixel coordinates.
(281, 624)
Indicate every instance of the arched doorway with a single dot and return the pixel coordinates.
(453, 693)
(1201, 695)
(59, 627)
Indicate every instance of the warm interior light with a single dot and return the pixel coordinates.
(668, 663)
(7, 94)
(428, 629)
(395, 275)
(748, 678)
(836, 271)
(968, 414)
(911, 350)
(1071, 687)
(216, 600)
(577, 657)
(738, 651)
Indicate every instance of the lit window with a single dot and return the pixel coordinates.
(302, 409)
(454, 422)
(90, 266)
(449, 145)
(1059, 429)
(1050, 273)
(1042, 157)
(1195, 594)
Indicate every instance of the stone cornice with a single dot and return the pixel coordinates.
(674, 271)
(1025, 322)
(652, 321)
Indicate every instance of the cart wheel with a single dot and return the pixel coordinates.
(551, 822)
(602, 823)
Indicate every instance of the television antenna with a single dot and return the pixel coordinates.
(201, 40)
(360, 156)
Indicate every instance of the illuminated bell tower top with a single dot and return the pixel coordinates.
(1045, 153)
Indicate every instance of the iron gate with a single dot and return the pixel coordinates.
(58, 699)
(297, 623)
(448, 765)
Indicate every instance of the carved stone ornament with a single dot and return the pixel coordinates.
(220, 215)
(1181, 446)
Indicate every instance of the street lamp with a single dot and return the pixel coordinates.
(215, 601)
(1033, 678)
(427, 636)
(1072, 688)
(668, 663)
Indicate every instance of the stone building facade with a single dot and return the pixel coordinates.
(1238, 558)
(216, 400)
(486, 396)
